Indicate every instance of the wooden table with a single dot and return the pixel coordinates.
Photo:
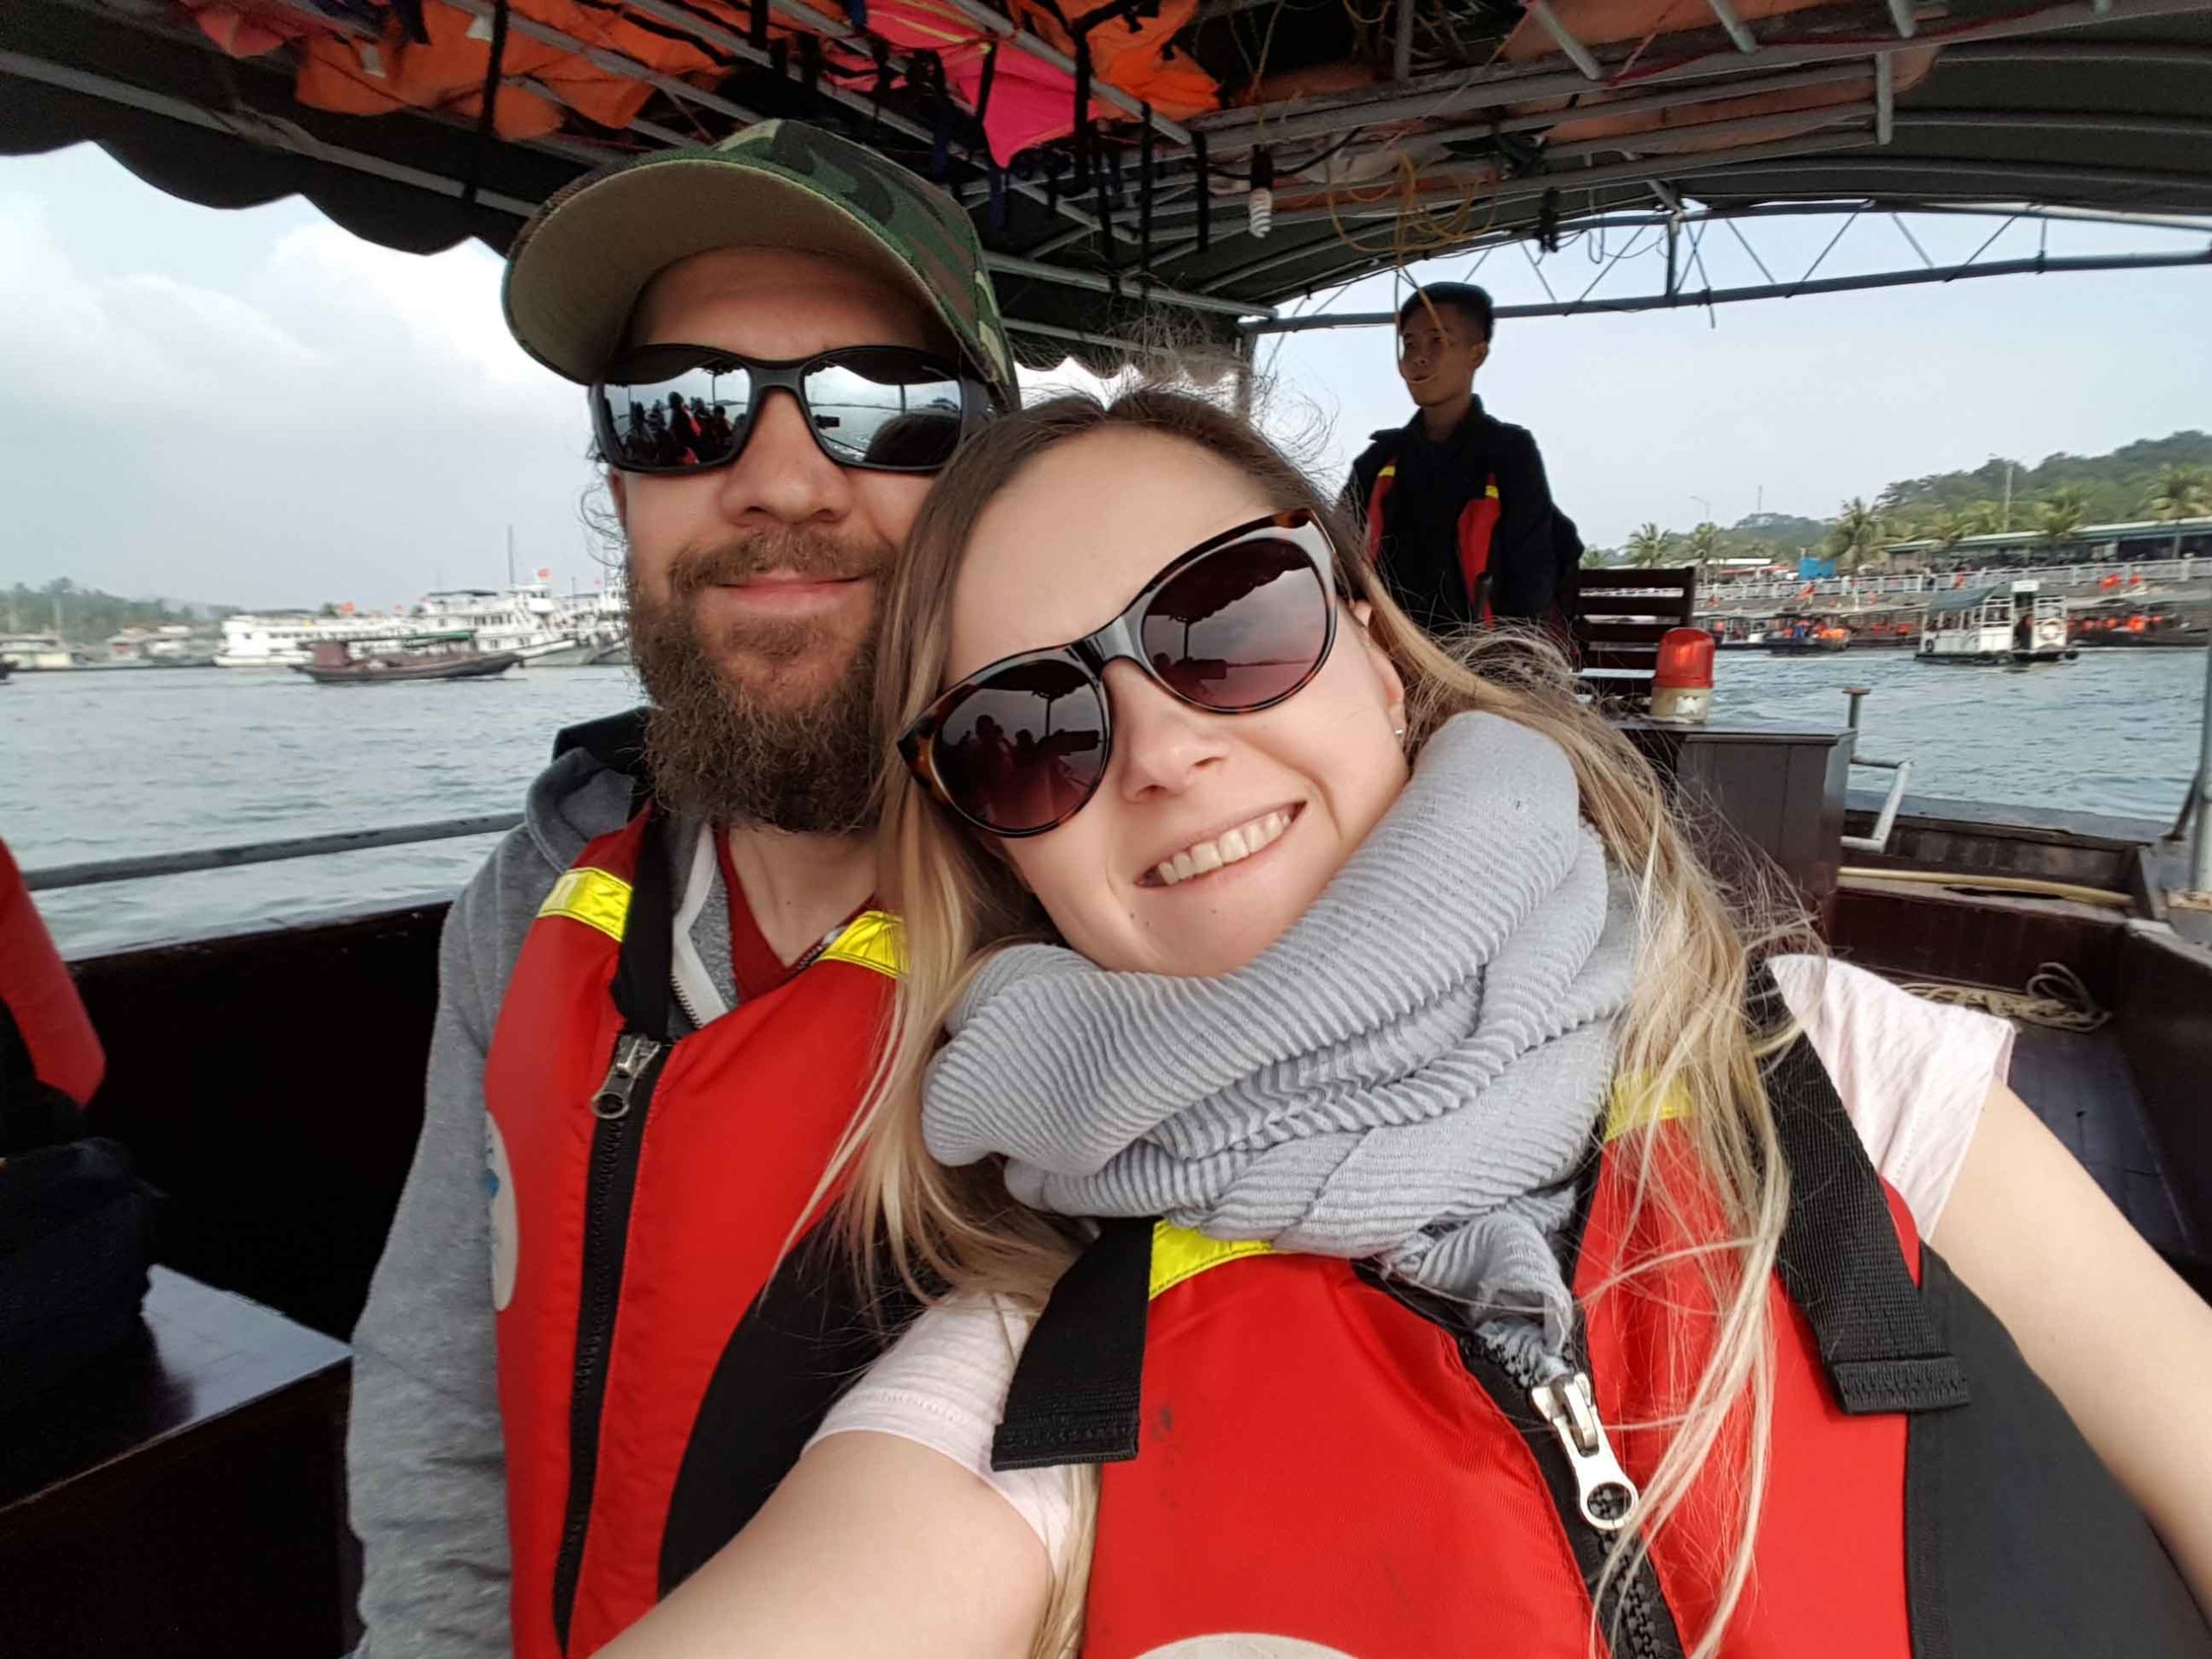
(184, 1495)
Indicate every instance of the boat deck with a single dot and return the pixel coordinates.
(2078, 1083)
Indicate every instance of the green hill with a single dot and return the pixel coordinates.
(2112, 488)
(86, 616)
(2115, 487)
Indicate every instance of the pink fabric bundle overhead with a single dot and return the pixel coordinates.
(1032, 103)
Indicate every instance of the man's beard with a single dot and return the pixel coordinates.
(718, 748)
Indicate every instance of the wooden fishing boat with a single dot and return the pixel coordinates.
(183, 1497)
(448, 655)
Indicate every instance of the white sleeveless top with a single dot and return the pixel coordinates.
(1913, 1075)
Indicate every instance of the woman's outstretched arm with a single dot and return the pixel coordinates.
(872, 1545)
(2109, 1328)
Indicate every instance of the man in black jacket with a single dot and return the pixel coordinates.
(1458, 516)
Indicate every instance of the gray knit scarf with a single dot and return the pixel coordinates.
(1410, 1075)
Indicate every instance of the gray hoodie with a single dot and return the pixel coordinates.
(426, 1472)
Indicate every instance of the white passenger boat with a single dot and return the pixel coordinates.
(2014, 624)
(525, 619)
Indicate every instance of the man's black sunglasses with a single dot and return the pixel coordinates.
(689, 408)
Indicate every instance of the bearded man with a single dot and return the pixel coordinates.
(591, 1347)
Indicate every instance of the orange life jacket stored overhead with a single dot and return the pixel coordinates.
(661, 1359)
(1295, 1450)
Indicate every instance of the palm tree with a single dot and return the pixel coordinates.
(1860, 535)
(1948, 528)
(1982, 518)
(1703, 546)
(2181, 492)
(1649, 545)
(2059, 514)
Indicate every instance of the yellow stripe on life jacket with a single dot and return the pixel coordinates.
(1178, 1254)
(1632, 1106)
(875, 939)
(595, 897)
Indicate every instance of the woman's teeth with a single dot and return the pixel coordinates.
(1225, 849)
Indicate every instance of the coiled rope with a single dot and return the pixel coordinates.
(2054, 997)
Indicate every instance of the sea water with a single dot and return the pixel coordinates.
(108, 764)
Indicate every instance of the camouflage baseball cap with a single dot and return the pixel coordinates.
(576, 269)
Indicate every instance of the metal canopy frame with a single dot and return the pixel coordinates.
(2099, 107)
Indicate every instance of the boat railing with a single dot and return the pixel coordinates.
(1900, 775)
(1904, 584)
(263, 852)
(2197, 805)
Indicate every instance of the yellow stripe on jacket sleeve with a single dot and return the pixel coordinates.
(594, 898)
(875, 939)
(1178, 1254)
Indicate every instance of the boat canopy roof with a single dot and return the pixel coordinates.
(1385, 135)
(1968, 599)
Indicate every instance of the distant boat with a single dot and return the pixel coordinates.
(2139, 625)
(586, 653)
(1793, 636)
(2017, 624)
(449, 656)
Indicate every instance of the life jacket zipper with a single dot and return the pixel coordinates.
(1602, 1490)
(1555, 1411)
(619, 1108)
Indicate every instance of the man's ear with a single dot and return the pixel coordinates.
(1481, 353)
(618, 490)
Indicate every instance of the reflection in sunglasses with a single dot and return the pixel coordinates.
(874, 408)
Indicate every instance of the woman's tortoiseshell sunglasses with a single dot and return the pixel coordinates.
(1235, 625)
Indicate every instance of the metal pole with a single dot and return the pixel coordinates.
(2200, 864)
(1767, 291)
(263, 852)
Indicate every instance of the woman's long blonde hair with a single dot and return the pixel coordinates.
(1684, 1040)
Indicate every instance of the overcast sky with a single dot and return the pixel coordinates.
(254, 408)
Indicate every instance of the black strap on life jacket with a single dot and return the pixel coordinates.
(1075, 1394)
(1840, 1259)
(642, 991)
(1075, 1397)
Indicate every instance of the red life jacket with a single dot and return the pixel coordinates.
(661, 1361)
(1477, 523)
(37, 991)
(1314, 1457)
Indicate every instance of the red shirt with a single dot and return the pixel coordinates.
(753, 962)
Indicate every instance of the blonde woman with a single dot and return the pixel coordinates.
(1375, 1204)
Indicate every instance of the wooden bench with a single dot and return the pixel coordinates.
(1624, 614)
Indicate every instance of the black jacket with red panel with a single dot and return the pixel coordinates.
(590, 1353)
(1465, 531)
(1310, 1461)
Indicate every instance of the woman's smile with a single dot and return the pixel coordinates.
(1210, 854)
